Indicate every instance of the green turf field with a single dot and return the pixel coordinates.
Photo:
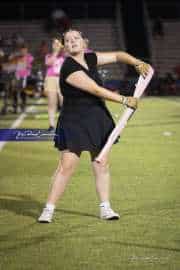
(145, 169)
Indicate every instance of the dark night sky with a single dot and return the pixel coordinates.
(78, 9)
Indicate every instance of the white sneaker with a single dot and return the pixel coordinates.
(108, 214)
(46, 216)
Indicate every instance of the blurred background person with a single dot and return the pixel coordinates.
(24, 62)
(53, 62)
(7, 73)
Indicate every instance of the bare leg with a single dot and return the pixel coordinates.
(52, 106)
(66, 167)
(102, 178)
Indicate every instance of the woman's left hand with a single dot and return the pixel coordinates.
(142, 68)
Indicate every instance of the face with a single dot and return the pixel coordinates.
(73, 42)
(24, 51)
(57, 45)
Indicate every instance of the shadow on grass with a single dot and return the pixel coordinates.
(23, 205)
(24, 243)
(154, 209)
(77, 213)
(143, 246)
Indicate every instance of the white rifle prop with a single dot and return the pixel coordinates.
(139, 90)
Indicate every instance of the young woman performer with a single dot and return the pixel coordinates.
(85, 123)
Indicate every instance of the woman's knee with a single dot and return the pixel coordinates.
(66, 169)
(68, 163)
(101, 167)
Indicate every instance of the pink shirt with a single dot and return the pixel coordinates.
(24, 66)
(55, 67)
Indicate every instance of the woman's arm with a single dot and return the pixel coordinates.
(80, 80)
(123, 57)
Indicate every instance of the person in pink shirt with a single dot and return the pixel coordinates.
(53, 62)
(23, 62)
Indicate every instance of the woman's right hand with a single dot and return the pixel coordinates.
(130, 102)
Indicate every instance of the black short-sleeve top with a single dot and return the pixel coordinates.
(70, 65)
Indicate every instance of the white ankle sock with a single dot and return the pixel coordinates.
(50, 206)
(105, 204)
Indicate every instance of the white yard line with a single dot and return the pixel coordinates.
(18, 121)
